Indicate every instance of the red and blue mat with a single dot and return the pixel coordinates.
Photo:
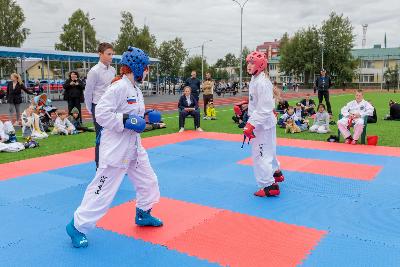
(339, 206)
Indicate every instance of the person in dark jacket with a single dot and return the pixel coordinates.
(188, 106)
(322, 84)
(73, 92)
(283, 105)
(394, 111)
(14, 96)
(308, 105)
(194, 84)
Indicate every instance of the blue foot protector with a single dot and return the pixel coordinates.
(144, 218)
(79, 240)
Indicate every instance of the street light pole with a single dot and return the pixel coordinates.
(241, 42)
(202, 59)
(322, 51)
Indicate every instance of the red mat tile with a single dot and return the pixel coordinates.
(46, 163)
(326, 167)
(234, 239)
(178, 217)
(221, 236)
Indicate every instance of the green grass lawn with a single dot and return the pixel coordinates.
(387, 131)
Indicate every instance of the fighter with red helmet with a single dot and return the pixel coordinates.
(261, 127)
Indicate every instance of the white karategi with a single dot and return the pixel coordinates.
(262, 117)
(6, 129)
(364, 108)
(121, 152)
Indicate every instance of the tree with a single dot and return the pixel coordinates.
(194, 63)
(12, 33)
(245, 52)
(146, 41)
(128, 33)
(392, 75)
(71, 38)
(171, 54)
(300, 54)
(338, 39)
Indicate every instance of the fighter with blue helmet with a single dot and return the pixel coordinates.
(120, 112)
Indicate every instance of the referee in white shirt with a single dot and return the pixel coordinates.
(97, 82)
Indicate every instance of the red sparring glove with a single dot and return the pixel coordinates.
(248, 131)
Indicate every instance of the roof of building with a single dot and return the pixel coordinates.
(266, 45)
(54, 55)
(376, 53)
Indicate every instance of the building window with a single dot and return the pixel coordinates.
(386, 63)
(367, 64)
(367, 78)
(272, 66)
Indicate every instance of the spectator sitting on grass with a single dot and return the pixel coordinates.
(7, 132)
(62, 125)
(188, 106)
(321, 121)
(308, 105)
(298, 110)
(211, 113)
(75, 119)
(374, 117)
(394, 111)
(289, 115)
(31, 125)
(283, 105)
(153, 120)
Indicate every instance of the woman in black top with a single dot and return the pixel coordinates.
(73, 92)
(14, 95)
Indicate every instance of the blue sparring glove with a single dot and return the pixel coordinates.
(134, 122)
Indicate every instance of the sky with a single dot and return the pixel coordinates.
(197, 21)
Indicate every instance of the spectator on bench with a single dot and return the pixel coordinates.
(188, 106)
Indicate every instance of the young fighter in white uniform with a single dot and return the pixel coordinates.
(261, 127)
(353, 115)
(119, 112)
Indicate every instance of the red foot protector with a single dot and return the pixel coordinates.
(221, 236)
(326, 167)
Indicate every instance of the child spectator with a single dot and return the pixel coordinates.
(298, 110)
(211, 113)
(321, 121)
(289, 115)
(308, 105)
(62, 125)
(7, 132)
(374, 117)
(75, 119)
(31, 125)
(153, 120)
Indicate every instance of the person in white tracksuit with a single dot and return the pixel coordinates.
(261, 127)
(120, 112)
(353, 115)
